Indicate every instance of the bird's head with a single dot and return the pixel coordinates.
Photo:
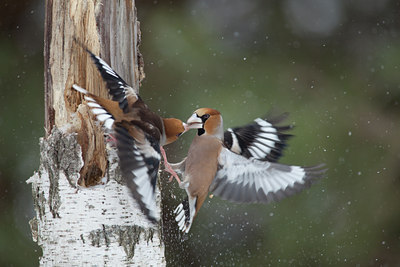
(173, 129)
(208, 121)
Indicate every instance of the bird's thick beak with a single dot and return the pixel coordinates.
(186, 127)
(194, 122)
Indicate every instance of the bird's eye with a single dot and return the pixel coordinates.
(205, 117)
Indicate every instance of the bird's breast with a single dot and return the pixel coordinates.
(201, 163)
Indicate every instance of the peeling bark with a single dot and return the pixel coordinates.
(110, 29)
(85, 214)
(100, 225)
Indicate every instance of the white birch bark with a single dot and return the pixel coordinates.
(85, 215)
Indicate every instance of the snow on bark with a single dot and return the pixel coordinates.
(99, 225)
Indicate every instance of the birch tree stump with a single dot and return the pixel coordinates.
(85, 214)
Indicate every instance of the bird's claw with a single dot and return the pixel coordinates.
(168, 167)
(111, 140)
(172, 172)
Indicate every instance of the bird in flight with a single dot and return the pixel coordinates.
(237, 165)
(139, 132)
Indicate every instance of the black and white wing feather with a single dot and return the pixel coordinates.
(261, 140)
(139, 161)
(99, 111)
(252, 181)
(117, 87)
(185, 213)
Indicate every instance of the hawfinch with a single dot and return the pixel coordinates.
(236, 165)
(139, 132)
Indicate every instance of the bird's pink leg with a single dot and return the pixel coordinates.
(168, 167)
(111, 139)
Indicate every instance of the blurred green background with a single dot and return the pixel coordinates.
(332, 64)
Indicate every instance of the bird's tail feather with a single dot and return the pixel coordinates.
(185, 213)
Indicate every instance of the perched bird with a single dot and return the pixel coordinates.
(139, 132)
(236, 165)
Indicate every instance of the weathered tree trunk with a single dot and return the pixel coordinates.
(84, 212)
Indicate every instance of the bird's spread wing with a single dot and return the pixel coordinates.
(262, 139)
(98, 106)
(117, 87)
(253, 181)
(140, 157)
